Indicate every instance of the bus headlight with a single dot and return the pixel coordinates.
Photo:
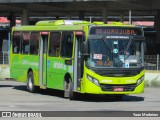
(140, 80)
(95, 81)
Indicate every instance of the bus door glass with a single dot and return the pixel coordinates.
(78, 59)
(43, 58)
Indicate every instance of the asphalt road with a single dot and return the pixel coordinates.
(14, 97)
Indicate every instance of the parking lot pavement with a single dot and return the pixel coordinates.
(15, 97)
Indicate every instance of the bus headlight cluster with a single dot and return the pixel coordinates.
(95, 81)
(140, 80)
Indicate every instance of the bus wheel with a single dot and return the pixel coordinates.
(71, 93)
(68, 89)
(30, 83)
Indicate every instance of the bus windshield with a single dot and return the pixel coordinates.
(113, 53)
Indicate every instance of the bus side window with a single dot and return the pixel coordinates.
(67, 44)
(16, 42)
(25, 42)
(34, 43)
(54, 44)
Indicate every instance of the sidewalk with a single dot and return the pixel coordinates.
(4, 71)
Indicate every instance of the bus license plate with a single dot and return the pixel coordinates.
(118, 89)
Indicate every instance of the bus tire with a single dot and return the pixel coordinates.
(68, 89)
(30, 82)
(71, 93)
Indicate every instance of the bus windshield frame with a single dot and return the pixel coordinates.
(115, 50)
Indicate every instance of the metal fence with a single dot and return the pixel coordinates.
(152, 62)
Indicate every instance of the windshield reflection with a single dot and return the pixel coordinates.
(114, 53)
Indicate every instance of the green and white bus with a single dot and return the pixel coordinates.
(79, 57)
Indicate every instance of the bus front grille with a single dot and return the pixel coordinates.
(122, 88)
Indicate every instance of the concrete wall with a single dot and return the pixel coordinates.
(4, 72)
(152, 78)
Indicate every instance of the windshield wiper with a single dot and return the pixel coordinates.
(126, 53)
(128, 45)
(106, 43)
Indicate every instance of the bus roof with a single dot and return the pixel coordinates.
(66, 25)
(61, 22)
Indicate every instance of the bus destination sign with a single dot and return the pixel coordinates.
(115, 31)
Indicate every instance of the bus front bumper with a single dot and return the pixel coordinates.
(113, 89)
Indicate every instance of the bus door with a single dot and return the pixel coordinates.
(78, 60)
(43, 58)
